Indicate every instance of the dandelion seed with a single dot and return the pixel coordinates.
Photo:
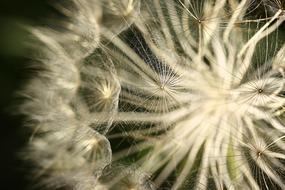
(119, 15)
(124, 178)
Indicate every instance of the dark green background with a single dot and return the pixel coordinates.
(14, 61)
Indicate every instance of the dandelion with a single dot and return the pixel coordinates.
(188, 94)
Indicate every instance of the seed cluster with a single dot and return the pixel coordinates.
(159, 94)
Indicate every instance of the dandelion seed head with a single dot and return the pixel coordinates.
(174, 87)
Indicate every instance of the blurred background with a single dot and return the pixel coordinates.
(14, 61)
